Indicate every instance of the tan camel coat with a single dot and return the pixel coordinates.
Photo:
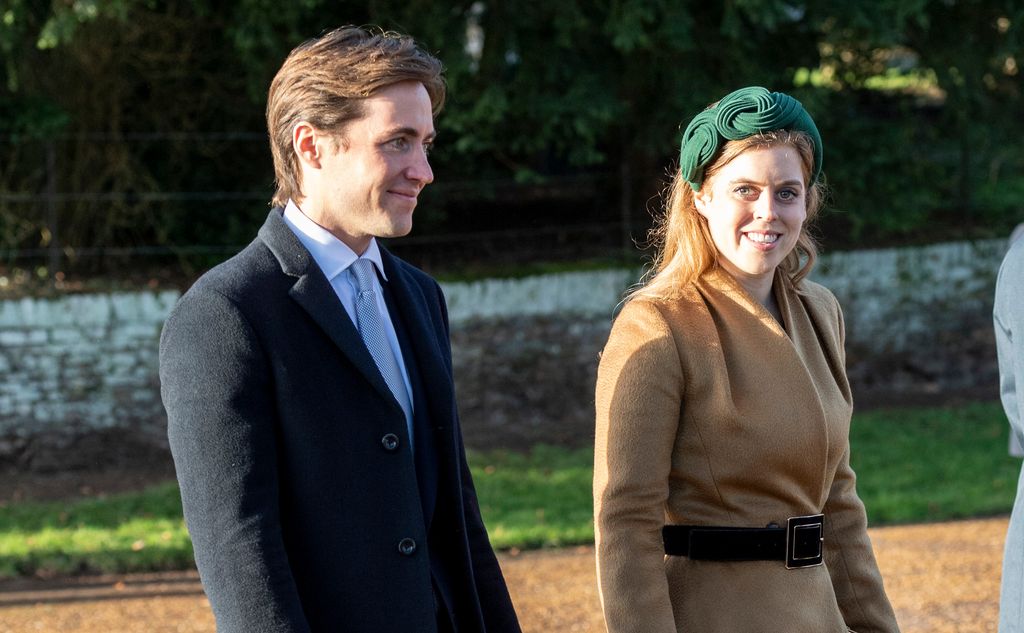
(710, 413)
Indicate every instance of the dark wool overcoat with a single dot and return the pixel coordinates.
(306, 507)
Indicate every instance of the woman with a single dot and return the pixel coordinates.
(723, 494)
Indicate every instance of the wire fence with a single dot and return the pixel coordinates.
(61, 211)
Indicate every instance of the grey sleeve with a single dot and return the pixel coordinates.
(1008, 314)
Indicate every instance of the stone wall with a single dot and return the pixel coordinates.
(918, 320)
(918, 323)
(77, 366)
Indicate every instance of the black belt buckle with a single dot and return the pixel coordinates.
(804, 539)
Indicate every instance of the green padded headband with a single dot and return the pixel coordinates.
(738, 115)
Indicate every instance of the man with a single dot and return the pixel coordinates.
(1009, 326)
(308, 379)
(1016, 441)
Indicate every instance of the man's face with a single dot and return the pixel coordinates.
(378, 166)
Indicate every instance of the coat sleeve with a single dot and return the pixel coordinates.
(850, 559)
(848, 553)
(1008, 315)
(638, 400)
(217, 390)
(1010, 352)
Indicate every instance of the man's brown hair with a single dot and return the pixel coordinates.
(325, 80)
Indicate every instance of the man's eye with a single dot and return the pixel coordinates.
(428, 147)
(400, 144)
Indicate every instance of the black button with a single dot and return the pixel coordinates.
(407, 546)
(389, 442)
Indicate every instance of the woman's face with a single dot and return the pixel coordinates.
(755, 207)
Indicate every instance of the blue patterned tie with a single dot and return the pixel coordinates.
(371, 329)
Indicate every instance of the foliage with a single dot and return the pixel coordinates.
(142, 101)
(913, 465)
(970, 48)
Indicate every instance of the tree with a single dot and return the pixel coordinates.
(557, 112)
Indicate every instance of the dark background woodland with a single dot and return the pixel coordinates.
(132, 130)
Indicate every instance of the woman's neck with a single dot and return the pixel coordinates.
(760, 288)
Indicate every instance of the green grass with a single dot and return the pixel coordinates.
(534, 500)
(917, 465)
(913, 465)
(133, 532)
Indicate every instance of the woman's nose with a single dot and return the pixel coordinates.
(764, 208)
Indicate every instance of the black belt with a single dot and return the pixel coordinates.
(799, 543)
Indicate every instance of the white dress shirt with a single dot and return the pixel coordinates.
(334, 258)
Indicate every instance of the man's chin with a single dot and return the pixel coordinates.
(400, 229)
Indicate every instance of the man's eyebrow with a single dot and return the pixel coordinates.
(409, 131)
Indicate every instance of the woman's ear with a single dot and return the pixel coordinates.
(702, 200)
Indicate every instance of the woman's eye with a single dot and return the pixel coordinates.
(744, 191)
(788, 195)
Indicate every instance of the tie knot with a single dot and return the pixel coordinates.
(363, 270)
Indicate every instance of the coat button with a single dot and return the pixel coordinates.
(389, 442)
(407, 546)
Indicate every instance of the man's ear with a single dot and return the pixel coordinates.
(308, 144)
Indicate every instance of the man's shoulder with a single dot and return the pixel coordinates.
(1013, 261)
(243, 274)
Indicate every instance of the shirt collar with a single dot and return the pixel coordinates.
(331, 254)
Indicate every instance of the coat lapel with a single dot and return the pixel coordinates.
(314, 294)
(770, 381)
(435, 373)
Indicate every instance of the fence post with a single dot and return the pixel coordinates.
(52, 221)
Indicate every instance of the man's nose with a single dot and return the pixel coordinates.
(419, 170)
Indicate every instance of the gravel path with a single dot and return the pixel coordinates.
(941, 577)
